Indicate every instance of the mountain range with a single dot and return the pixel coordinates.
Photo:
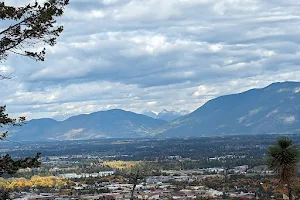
(103, 124)
(273, 109)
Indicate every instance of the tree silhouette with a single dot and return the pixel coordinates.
(32, 25)
(282, 159)
(29, 26)
(7, 164)
(136, 174)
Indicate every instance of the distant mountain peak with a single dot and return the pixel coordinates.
(165, 111)
(154, 112)
(166, 114)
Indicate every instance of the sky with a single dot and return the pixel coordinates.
(143, 55)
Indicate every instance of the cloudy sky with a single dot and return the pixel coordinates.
(143, 55)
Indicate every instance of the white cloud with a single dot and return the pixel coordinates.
(179, 54)
(290, 119)
(151, 103)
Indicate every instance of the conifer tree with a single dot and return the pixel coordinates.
(29, 27)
